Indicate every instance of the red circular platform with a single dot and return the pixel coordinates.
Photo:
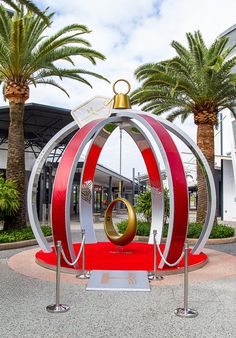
(137, 256)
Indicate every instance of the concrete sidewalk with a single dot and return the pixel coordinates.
(116, 314)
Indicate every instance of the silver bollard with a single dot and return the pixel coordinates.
(153, 275)
(83, 274)
(186, 311)
(58, 308)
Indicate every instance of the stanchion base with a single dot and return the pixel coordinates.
(83, 275)
(60, 308)
(152, 276)
(189, 313)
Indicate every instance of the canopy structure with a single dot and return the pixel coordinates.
(41, 123)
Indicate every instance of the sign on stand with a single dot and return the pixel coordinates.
(118, 280)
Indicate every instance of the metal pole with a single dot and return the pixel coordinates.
(153, 275)
(84, 274)
(186, 277)
(58, 308)
(221, 134)
(133, 187)
(120, 150)
(120, 169)
(155, 254)
(186, 311)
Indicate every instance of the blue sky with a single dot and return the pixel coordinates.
(129, 33)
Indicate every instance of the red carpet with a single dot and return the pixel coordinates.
(99, 257)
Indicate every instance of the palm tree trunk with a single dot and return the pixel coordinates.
(16, 161)
(205, 141)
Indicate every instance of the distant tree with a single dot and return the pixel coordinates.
(144, 205)
(198, 81)
(29, 57)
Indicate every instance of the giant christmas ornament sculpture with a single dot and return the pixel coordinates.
(92, 118)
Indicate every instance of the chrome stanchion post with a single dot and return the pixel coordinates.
(58, 308)
(84, 274)
(153, 275)
(186, 311)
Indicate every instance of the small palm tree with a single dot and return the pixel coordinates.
(144, 205)
(199, 82)
(28, 57)
(9, 198)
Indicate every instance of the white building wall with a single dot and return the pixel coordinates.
(229, 192)
(29, 158)
(3, 156)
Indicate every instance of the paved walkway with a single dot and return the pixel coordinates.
(23, 300)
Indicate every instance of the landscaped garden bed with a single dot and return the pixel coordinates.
(194, 230)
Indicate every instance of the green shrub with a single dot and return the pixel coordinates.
(218, 231)
(16, 235)
(221, 231)
(194, 229)
(143, 228)
(9, 197)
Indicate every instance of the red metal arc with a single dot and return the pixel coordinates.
(180, 190)
(60, 188)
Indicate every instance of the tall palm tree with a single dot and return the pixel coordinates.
(29, 4)
(28, 57)
(199, 82)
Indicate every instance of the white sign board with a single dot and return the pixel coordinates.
(118, 280)
(96, 108)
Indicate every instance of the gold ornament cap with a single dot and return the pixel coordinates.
(121, 100)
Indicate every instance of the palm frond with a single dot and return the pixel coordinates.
(198, 78)
(30, 6)
(27, 56)
(52, 83)
(180, 112)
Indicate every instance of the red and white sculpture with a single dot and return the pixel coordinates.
(135, 123)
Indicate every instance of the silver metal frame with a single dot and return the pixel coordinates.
(33, 183)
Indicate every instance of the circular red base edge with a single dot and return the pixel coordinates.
(104, 256)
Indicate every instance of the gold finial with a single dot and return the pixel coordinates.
(121, 100)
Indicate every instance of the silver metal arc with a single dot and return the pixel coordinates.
(33, 183)
(211, 205)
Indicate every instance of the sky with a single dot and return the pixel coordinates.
(130, 33)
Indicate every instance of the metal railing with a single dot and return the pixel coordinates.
(58, 307)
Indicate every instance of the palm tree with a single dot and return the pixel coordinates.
(197, 81)
(28, 57)
(29, 4)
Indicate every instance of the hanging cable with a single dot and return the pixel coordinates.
(77, 258)
(120, 164)
(167, 263)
